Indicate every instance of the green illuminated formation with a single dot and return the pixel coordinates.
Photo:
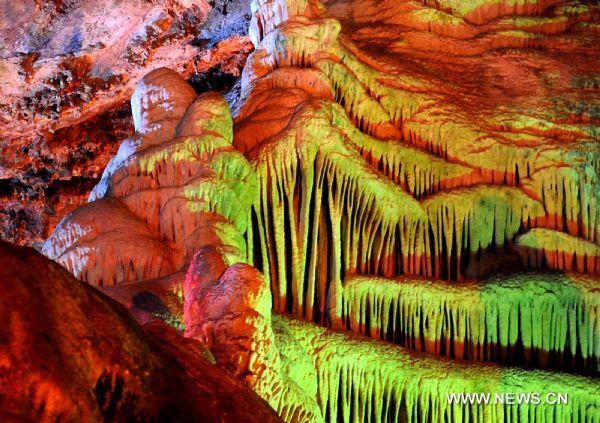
(476, 9)
(470, 220)
(362, 380)
(297, 189)
(558, 250)
(368, 170)
(536, 318)
(334, 176)
(416, 171)
(570, 195)
(392, 105)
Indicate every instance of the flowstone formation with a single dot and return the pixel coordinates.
(413, 172)
(373, 165)
(364, 381)
(173, 188)
(529, 318)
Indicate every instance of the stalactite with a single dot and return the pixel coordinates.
(531, 318)
(370, 381)
(468, 220)
(358, 171)
(558, 250)
(371, 224)
(480, 11)
(315, 202)
(571, 197)
(416, 171)
(392, 105)
(354, 97)
(373, 105)
(442, 132)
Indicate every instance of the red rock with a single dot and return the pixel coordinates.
(203, 274)
(229, 311)
(67, 352)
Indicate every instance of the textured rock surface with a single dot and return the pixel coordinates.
(178, 187)
(68, 69)
(535, 319)
(374, 381)
(380, 158)
(229, 310)
(69, 353)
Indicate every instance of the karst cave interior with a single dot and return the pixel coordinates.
(300, 211)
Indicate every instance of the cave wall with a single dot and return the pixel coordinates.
(68, 70)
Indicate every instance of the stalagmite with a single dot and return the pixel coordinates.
(229, 310)
(177, 193)
(177, 183)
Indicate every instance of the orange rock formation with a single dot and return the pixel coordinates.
(69, 353)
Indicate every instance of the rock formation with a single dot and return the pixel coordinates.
(69, 353)
(68, 69)
(170, 190)
(529, 318)
(369, 381)
(178, 187)
(229, 310)
(421, 173)
(443, 182)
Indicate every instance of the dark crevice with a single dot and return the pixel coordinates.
(212, 80)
